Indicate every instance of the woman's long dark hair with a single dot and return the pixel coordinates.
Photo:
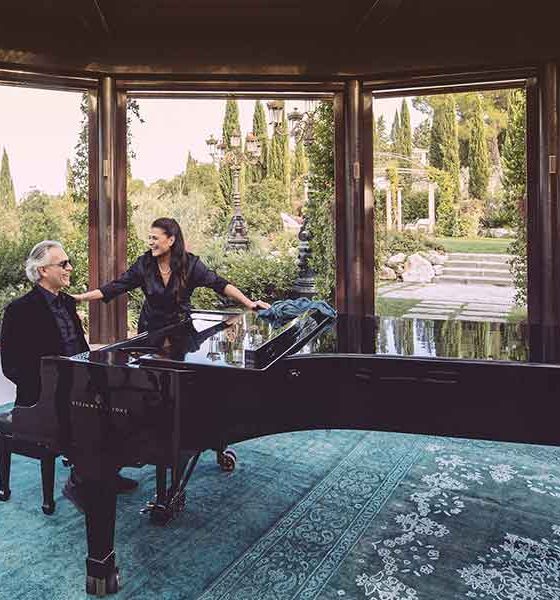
(179, 260)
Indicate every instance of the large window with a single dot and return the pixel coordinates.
(450, 201)
(43, 181)
(239, 175)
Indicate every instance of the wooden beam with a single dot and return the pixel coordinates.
(107, 214)
(354, 218)
(549, 212)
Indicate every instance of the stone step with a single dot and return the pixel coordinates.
(478, 256)
(476, 264)
(459, 271)
(506, 281)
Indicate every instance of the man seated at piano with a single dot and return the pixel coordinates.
(168, 275)
(44, 322)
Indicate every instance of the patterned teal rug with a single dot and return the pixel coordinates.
(315, 515)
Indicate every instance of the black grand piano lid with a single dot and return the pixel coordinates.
(241, 340)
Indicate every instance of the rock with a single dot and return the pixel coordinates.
(500, 232)
(417, 269)
(438, 269)
(436, 258)
(396, 259)
(387, 274)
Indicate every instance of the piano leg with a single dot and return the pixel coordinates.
(47, 477)
(101, 504)
(161, 484)
(5, 463)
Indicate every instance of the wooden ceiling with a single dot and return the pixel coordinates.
(275, 36)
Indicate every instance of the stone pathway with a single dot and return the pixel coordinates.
(466, 302)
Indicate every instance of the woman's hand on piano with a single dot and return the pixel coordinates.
(260, 304)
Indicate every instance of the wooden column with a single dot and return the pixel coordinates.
(354, 217)
(107, 213)
(543, 215)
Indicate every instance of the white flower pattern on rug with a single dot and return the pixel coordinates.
(520, 569)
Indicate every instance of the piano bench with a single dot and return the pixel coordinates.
(9, 446)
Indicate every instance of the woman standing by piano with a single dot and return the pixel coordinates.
(168, 275)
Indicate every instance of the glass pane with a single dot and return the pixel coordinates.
(450, 194)
(241, 208)
(43, 187)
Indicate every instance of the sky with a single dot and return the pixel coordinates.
(39, 130)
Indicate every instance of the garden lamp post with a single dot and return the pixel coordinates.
(301, 128)
(234, 157)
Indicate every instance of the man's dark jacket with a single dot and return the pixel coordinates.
(29, 331)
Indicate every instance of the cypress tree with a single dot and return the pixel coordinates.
(230, 124)
(300, 161)
(257, 173)
(380, 138)
(405, 130)
(7, 192)
(70, 190)
(396, 134)
(514, 180)
(444, 141)
(421, 136)
(514, 164)
(479, 164)
(279, 164)
(405, 145)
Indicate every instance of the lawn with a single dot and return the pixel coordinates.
(393, 307)
(476, 245)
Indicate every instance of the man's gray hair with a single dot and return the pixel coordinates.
(39, 257)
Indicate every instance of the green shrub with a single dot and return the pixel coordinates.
(257, 274)
(408, 242)
(415, 206)
(9, 293)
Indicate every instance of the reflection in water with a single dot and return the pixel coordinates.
(452, 339)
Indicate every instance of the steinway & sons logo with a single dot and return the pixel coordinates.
(98, 404)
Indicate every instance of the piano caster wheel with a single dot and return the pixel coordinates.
(227, 460)
(5, 495)
(48, 509)
(101, 587)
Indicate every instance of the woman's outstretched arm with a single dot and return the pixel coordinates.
(88, 296)
(236, 294)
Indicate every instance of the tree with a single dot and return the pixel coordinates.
(203, 179)
(421, 135)
(263, 203)
(230, 124)
(494, 107)
(70, 190)
(396, 134)
(405, 145)
(7, 192)
(299, 172)
(380, 137)
(514, 180)
(256, 173)
(479, 164)
(320, 207)
(405, 130)
(444, 142)
(279, 164)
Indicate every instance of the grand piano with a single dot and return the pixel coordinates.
(219, 378)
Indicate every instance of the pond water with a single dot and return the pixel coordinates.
(453, 339)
